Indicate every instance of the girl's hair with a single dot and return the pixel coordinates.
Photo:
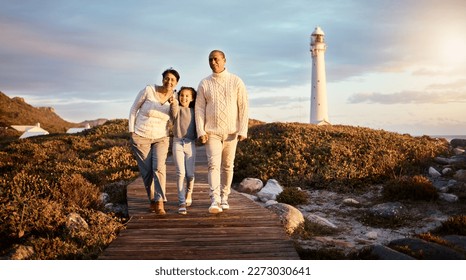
(173, 72)
(193, 92)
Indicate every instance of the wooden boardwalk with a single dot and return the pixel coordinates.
(246, 231)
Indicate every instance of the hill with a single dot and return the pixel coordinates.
(15, 111)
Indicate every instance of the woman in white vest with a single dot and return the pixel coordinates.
(149, 127)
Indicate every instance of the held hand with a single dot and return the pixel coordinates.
(204, 139)
(241, 138)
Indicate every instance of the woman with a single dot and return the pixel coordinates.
(149, 127)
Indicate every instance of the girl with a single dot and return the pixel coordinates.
(184, 146)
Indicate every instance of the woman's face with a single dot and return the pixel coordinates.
(169, 82)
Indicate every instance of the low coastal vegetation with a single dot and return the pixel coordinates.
(45, 179)
(337, 157)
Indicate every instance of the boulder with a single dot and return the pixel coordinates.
(249, 196)
(250, 185)
(288, 215)
(351, 202)
(448, 197)
(460, 175)
(424, 250)
(390, 210)
(380, 252)
(270, 191)
(320, 221)
(458, 151)
(458, 143)
(75, 223)
(434, 173)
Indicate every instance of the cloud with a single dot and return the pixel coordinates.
(408, 97)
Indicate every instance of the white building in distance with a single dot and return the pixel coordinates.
(30, 130)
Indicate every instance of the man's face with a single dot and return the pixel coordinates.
(217, 62)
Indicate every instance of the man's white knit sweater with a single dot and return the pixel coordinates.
(221, 105)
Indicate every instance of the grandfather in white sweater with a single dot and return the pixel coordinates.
(221, 114)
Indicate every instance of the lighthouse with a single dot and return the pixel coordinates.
(319, 114)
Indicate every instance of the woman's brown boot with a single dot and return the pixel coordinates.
(153, 206)
(159, 208)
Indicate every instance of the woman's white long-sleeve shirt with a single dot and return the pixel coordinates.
(148, 117)
(222, 105)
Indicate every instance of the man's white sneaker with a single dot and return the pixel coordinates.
(214, 208)
(225, 205)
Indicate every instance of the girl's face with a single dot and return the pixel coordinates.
(186, 96)
(169, 82)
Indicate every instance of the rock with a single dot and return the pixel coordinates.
(458, 143)
(104, 198)
(434, 173)
(447, 171)
(116, 208)
(320, 221)
(448, 197)
(250, 196)
(424, 250)
(250, 185)
(350, 202)
(289, 216)
(442, 160)
(388, 210)
(270, 202)
(331, 242)
(270, 191)
(75, 223)
(381, 252)
(460, 175)
(458, 151)
(372, 235)
(21, 252)
(458, 162)
(459, 241)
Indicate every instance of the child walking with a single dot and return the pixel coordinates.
(184, 144)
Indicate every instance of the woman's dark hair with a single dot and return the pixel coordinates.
(193, 92)
(173, 72)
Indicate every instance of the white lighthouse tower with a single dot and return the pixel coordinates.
(319, 114)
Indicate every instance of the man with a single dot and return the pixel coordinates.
(221, 113)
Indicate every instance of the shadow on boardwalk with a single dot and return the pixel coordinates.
(246, 231)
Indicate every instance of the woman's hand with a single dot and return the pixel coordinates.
(204, 138)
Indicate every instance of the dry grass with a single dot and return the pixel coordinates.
(43, 179)
(338, 157)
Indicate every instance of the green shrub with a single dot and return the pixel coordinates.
(415, 187)
(293, 196)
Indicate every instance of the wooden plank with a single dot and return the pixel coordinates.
(246, 231)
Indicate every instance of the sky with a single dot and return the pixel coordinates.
(396, 65)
